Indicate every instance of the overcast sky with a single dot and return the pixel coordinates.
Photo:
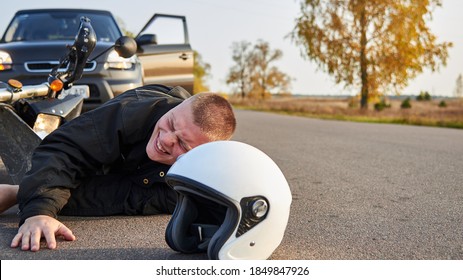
(215, 24)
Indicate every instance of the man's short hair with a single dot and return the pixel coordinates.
(214, 116)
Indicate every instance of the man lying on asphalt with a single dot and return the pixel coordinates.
(112, 160)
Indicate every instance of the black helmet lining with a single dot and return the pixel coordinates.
(203, 218)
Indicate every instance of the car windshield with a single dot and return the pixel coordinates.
(59, 26)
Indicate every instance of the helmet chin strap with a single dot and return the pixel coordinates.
(204, 234)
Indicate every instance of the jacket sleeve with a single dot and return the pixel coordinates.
(82, 147)
(62, 159)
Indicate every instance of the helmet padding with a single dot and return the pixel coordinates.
(199, 223)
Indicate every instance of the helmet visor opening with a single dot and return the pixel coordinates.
(201, 217)
(208, 211)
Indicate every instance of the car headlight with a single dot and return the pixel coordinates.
(117, 62)
(5, 61)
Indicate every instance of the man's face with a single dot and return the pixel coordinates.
(174, 134)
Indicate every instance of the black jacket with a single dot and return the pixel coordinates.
(109, 139)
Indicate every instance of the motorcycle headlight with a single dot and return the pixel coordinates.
(117, 62)
(46, 124)
(5, 61)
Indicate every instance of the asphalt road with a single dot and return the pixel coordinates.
(360, 191)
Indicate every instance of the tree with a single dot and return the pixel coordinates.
(374, 45)
(266, 77)
(424, 96)
(240, 74)
(253, 74)
(201, 71)
(458, 92)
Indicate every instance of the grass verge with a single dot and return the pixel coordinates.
(421, 114)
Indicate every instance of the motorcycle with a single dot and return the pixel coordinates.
(28, 113)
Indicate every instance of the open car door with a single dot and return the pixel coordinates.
(165, 53)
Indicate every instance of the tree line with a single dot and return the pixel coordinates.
(373, 46)
(253, 74)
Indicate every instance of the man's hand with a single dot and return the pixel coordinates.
(35, 227)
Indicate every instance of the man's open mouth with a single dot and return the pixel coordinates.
(158, 145)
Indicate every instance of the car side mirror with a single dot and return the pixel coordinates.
(125, 46)
(147, 39)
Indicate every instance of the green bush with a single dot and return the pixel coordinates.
(424, 96)
(442, 104)
(381, 105)
(406, 104)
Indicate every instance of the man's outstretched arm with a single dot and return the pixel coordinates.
(8, 195)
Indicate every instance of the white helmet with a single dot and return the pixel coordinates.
(233, 202)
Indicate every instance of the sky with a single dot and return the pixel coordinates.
(213, 26)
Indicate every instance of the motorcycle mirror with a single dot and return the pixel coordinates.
(125, 46)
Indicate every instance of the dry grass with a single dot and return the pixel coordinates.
(426, 113)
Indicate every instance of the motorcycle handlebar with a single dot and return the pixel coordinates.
(78, 54)
(9, 95)
(74, 61)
